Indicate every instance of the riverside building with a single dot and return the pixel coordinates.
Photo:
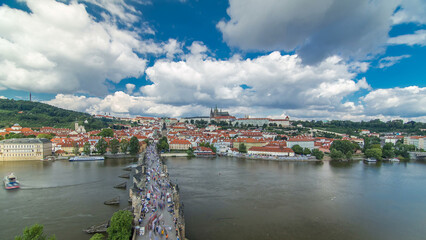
(22, 149)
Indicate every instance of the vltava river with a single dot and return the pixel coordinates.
(226, 198)
(65, 197)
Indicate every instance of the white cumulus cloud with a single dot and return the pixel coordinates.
(404, 102)
(60, 48)
(118, 10)
(417, 38)
(411, 11)
(314, 29)
(122, 104)
(130, 87)
(391, 60)
(273, 81)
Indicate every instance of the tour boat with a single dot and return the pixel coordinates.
(10, 182)
(394, 160)
(370, 160)
(86, 158)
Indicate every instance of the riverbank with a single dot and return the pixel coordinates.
(174, 155)
(252, 157)
(271, 158)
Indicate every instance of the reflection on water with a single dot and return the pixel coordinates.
(228, 198)
(65, 197)
(343, 164)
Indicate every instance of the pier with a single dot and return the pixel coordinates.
(157, 211)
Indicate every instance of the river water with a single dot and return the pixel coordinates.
(66, 197)
(227, 198)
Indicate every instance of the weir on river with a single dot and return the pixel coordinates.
(157, 211)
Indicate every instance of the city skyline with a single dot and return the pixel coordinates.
(323, 60)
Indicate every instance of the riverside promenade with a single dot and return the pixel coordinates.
(155, 201)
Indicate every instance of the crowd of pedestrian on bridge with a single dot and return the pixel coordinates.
(156, 201)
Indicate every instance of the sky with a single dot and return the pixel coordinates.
(322, 60)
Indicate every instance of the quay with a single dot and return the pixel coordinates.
(157, 211)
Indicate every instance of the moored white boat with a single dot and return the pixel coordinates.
(10, 182)
(394, 160)
(370, 160)
(86, 158)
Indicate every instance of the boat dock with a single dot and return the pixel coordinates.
(155, 200)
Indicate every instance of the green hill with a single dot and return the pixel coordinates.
(36, 114)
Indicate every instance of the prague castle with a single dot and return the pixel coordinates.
(218, 113)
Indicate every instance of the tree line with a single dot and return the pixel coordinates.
(115, 146)
(36, 114)
(376, 125)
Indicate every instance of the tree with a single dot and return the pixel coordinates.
(45, 135)
(348, 155)
(297, 149)
(374, 153)
(376, 145)
(97, 236)
(134, 145)
(163, 145)
(190, 152)
(34, 232)
(86, 148)
(336, 155)
(101, 146)
(318, 154)
(106, 132)
(213, 148)
(120, 227)
(306, 151)
(368, 141)
(124, 145)
(343, 145)
(114, 144)
(76, 149)
(401, 150)
(14, 135)
(242, 148)
(388, 150)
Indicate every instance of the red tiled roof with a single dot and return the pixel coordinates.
(180, 141)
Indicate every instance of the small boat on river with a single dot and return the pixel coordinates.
(10, 182)
(370, 160)
(86, 158)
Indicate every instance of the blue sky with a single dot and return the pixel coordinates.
(327, 59)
